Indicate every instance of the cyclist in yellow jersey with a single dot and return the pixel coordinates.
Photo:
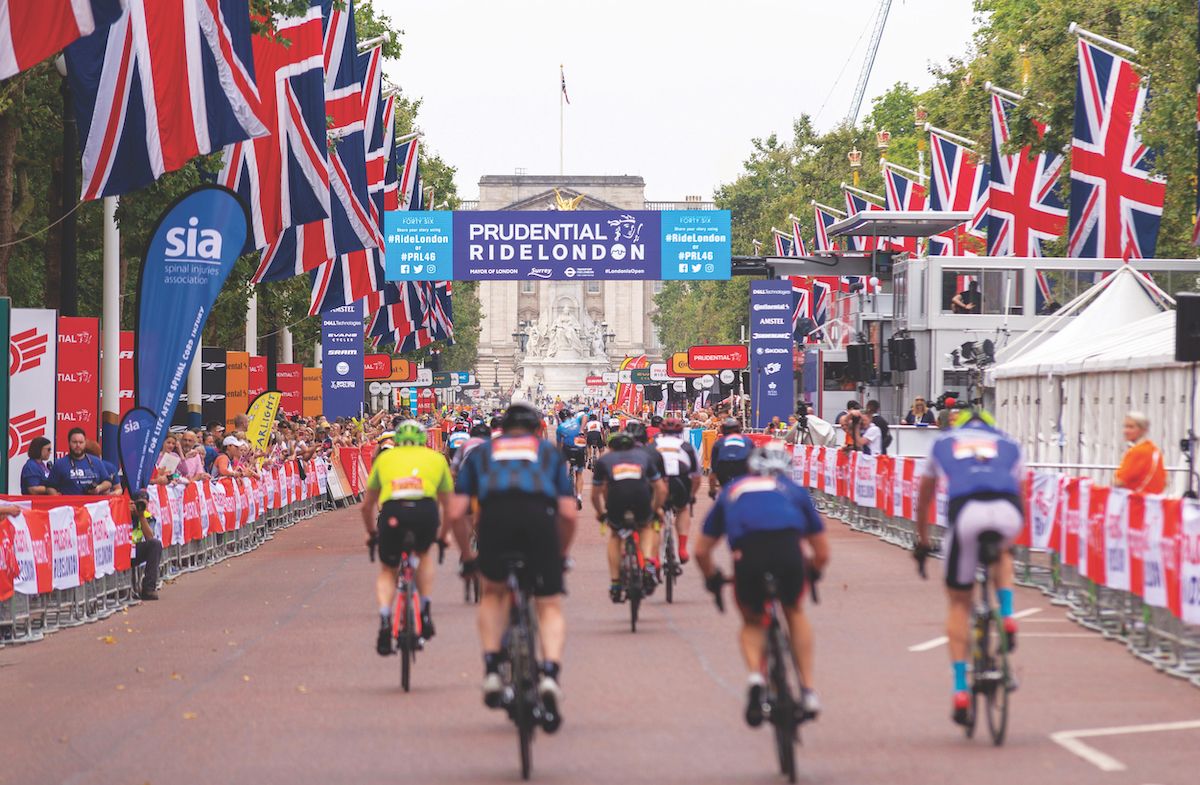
(408, 485)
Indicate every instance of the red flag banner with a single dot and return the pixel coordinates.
(78, 388)
(290, 380)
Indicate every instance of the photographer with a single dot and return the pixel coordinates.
(146, 549)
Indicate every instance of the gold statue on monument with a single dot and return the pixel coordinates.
(567, 204)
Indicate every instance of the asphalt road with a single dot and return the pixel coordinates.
(263, 670)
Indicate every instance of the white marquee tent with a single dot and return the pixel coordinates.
(1064, 394)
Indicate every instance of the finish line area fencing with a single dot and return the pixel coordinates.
(67, 560)
(1124, 564)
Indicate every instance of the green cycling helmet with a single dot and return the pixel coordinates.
(410, 432)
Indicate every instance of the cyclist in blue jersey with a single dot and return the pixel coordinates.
(728, 456)
(984, 476)
(455, 439)
(573, 443)
(765, 516)
(526, 507)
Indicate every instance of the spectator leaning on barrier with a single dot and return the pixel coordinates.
(146, 549)
(192, 465)
(77, 473)
(35, 475)
(228, 463)
(1141, 469)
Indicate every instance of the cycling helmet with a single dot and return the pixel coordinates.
(731, 425)
(769, 461)
(656, 421)
(636, 430)
(966, 414)
(410, 432)
(620, 441)
(481, 431)
(521, 416)
(672, 425)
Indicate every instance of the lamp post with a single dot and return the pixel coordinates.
(496, 375)
(883, 140)
(855, 158)
(921, 116)
(68, 282)
(521, 336)
(606, 335)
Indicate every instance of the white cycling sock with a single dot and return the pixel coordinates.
(755, 679)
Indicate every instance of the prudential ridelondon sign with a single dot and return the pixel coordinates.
(550, 245)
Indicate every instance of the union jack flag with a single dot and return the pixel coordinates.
(346, 279)
(784, 246)
(956, 182)
(408, 186)
(1024, 205)
(801, 303)
(798, 239)
(823, 288)
(856, 204)
(166, 81)
(284, 177)
(1116, 203)
(31, 32)
(902, 194)
(824, 220)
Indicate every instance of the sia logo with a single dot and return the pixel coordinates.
(22, 430)
(26, 349)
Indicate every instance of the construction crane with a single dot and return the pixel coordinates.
(860, 90)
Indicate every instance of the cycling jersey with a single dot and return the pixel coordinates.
(627, 475)
(456, 439)
(755, 504)
(461, 454)
(729, 455)
(975, 460)
(568, 430)
(678, 456)
(410, 472)
(514, 465)
(593, 426)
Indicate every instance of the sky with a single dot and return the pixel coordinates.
(672, 90)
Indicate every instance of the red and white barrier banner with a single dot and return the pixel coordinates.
(322, 478)
(31, 544)
(103, 531)
(84, 544)
(64, 548)
(884, 480)
(1045, 488)
(1118, 566)
(864, 479)
(1189, 562)
(32, 354)
(78, 379)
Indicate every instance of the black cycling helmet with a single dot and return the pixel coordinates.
(521, 416)
(656, 421)
(621, 441)
(481, 431)
(672, 425)
(731, 425)
(636, 430)
(496, 422)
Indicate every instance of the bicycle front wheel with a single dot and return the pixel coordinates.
(996, 697)
(408, 644)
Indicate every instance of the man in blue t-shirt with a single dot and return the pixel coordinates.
(765, 516)
(984, 474)
(79, 474)
(525, 507)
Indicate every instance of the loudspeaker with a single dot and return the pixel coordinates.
(902, 353)
(1187, 327)
(653, 392)
(860, 361)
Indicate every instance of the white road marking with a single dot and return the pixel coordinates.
(943, 640)
(1070, 740)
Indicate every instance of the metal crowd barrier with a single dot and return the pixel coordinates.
(29, 618)
(1151, 634)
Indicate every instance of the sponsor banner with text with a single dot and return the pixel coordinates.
(558, 245)
(377, 366)
(78, 390)
(291, 387)
(212, 384)
(312, 392)
(718, 358)
(771, 380)
(257, 377)
(237, 385)
(342, 361)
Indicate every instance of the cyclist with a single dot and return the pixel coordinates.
(614, 424)
(641, 438)
(728, 457)
(573, 444)
(408, 483)
(455, 439)
(627, 479)
(682, 469)
(525, 506)
(595, 437)
(984, 476)
(654, 428)
(765, 516)
(478, 434)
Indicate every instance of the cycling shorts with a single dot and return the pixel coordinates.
(595, 439)
(399, 517)
(759, 553)
(517, 523)
(728, 471)
(635, 501)
(679, 492)
(969, 518)
(576, 457)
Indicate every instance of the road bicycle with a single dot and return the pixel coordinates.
(992, 678)
(632, 575)
(782, 706)
(519, 670)
(671, 566)
(406, 618)
(471, 585)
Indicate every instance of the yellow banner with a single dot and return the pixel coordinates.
(262, 419)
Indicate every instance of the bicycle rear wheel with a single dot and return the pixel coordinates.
(669, 563)
(632, 578)
(408, 643)
(783, 708)
(996, 697)
(524, 668)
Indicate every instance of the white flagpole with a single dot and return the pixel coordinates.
(561, 105)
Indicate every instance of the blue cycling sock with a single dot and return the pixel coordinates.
(960, 675)
(1006, 598)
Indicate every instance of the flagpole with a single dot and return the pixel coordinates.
(561, 98)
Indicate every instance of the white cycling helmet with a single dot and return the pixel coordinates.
(769, 461)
